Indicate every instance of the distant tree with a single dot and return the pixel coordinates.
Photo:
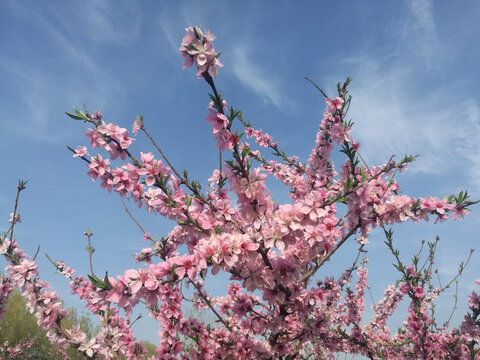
(22, 338)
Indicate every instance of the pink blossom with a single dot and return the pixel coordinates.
(137, 125)
(185, 264)
(81, 151)
(218, 120)
(335, 104)
(197, 49)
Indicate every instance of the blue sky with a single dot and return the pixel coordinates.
(415, 91)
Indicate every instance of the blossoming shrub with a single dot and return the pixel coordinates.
(275, 306)
(21, 338)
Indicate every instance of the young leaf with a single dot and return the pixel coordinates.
(74, 117)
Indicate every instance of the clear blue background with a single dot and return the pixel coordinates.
(415, 91)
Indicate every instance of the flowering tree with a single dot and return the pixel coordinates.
(275, 307)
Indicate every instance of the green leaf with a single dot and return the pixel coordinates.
(197, 35)
(108, 286)
(74, 117)
(362, 172)
(94, 280)
(213, 98)
(191, 47)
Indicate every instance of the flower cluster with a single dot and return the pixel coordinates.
(197, 48)
(471, 324)
(5, 290)
(19, 351)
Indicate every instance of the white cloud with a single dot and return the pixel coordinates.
(392, 119)
(254, 77)
(394, 116)
(241, 64)
(108, 22)
(469, 133)
(32, 118)
(168, 27)
(388, 123)
(174, 19)
(421, 32)
(422, 10)
(44, 91)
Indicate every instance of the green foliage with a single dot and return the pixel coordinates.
(150, 348)
(19, 325)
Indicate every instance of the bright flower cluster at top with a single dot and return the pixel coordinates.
(276, 306)
(197, 48)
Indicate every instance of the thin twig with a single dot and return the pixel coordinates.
(132, 217)
(454, 304)
(191, 281)
(371, 295)
(182, 179)
(439, 281)
(352, 268)
(208, 302)
(90, 252)
(210, 82)
(134, 321)
(163, 155)
(220, 159)
(420, 250)
(313, 270)
(36, 253)
(49, 259)
(60, 328)
(20, 187)
(318, 88)
(164, 190)
(460, 271)
(363, 160)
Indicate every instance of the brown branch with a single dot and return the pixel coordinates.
(132, 217)
(454, 304)
(134, 321)
(180, 177)
(267, 262)
(318, 88)
(50, 259)
(313, 270)
(161, 153)
(164, 190)
(90, 252)
(459, 272)
(20, 187)
(191, 281)
(208, 302)
(36, 253)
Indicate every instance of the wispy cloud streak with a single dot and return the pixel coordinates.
(107, 22)
(422, 35)
(257, 79)
(45, 89)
